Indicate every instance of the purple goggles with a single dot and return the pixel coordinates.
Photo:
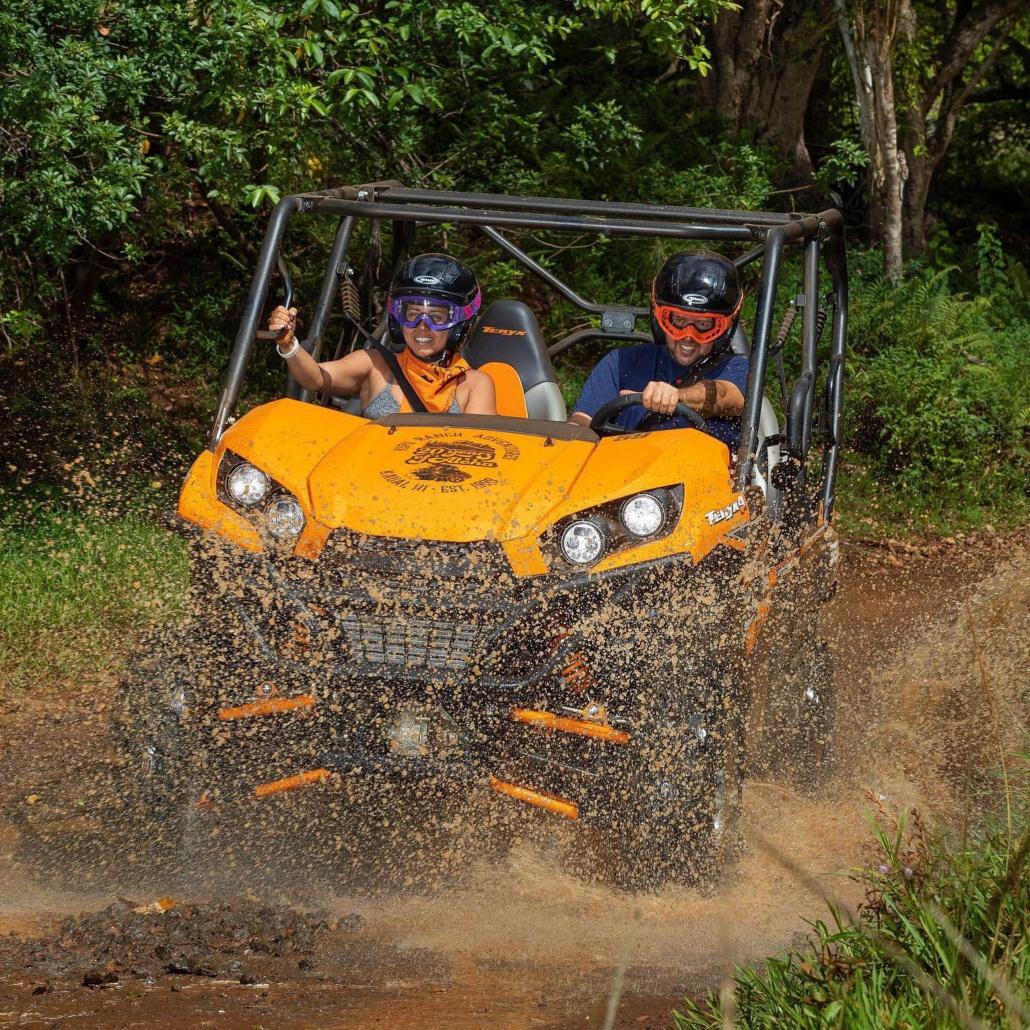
(435, 312)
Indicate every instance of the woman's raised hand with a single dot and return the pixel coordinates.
(283, 318)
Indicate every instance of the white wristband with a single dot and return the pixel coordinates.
(289, 354)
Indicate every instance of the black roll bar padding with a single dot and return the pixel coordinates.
(830, 432)
(835, 256)
(364, 191)
(809, 346)
(560, 222)
(548, 277)
(403, 241)
(280, 263)
(596, 334)
(244, 344)
(745, 259)
(327, 295)
(500, 202)
(800, 397)
(754, 392)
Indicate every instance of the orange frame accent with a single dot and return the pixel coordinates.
(267, 707)
(569, 809)
(550, 721)
(511, 398)
(291, 782)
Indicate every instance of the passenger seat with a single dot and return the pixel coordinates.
(507, 344)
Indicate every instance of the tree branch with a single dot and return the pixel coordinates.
(225, 220)
(967, 35)
(997, 94)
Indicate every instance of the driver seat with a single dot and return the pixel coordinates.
(507, 344)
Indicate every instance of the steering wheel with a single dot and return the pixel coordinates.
(601, 425)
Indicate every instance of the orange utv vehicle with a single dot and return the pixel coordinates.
(611, 627)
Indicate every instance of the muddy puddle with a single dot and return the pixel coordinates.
(478, 924)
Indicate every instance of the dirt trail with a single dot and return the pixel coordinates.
(511, 942)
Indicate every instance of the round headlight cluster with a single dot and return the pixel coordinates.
(247, 485)
(284, 518)
(583, 542)
(642, 515)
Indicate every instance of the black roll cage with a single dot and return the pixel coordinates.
(819, 234)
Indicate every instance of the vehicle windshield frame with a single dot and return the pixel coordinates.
(819, 235)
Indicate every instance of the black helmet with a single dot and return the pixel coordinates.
(696, 283)
(435, 277)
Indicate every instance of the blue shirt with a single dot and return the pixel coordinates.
(632, 368)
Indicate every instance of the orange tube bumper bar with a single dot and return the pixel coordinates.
(569, 809)
(291, 782)
(267, 707)
(582, 728)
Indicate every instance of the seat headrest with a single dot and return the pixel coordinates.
(739, 343)
(508, 332)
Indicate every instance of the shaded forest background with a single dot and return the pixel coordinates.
(143, 142)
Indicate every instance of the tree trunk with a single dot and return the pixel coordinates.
(869, 34)
(766, 58)
(930, 121)
(920, 175)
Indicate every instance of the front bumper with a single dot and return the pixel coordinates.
(415, 656)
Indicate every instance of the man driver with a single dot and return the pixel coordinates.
(695, 305)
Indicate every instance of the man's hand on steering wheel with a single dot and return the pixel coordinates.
(601, 425)
(661, 398)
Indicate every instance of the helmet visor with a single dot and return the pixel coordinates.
(700, 326)
(437, 313)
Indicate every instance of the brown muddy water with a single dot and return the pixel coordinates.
(480, 926)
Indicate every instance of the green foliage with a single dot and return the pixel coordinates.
(726, 175)
(941, 941)
(599, 135)
(670, 28)
(132, 109)
(842, 164)
(937, 390)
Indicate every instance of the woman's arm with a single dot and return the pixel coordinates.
(481, 398)
(343, 377)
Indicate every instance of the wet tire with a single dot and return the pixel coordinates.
(802, 714)
(677, 821)
(152, 774)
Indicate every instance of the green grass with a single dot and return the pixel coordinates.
(868, 505)
(73, 591)
(941, 941)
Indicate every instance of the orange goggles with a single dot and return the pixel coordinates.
(701, 327)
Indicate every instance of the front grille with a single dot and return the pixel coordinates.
(413, 560)
(415, 642)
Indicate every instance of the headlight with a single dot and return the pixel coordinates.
(595, 533)
(642, 515)
(247, 485)
(582, 542)
(284, 518)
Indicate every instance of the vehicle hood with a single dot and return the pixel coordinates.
(444, 483)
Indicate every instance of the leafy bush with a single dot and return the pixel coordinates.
(940, 941)
(937, 391)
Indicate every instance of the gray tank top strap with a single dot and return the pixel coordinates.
(384, 403)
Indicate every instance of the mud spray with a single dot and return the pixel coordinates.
(481, 922)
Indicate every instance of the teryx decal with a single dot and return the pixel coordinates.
(722, 514)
